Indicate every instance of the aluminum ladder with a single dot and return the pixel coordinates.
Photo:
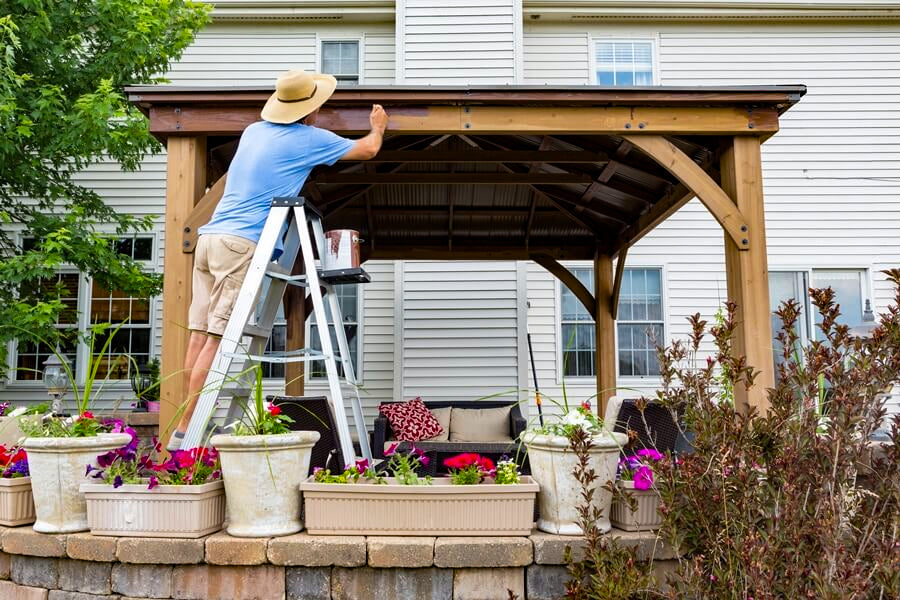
(232, 353)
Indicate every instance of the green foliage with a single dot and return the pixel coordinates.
(259, 416)
(796, 502)
(62, 66)
(507, 472)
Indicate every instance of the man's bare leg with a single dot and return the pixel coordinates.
(200, 355)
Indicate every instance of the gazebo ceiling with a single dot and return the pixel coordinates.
(499, 173)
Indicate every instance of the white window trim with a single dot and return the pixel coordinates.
(360, 331)
(360, 48)
(592, 51)
(85, 285)
(622, 380)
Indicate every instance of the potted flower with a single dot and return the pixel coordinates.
(263, 463)
(477, 499)
(16, 501)
(553, 465)
(59, 446)
(637, 508)
(133, 495)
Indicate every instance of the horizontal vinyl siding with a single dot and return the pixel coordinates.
(556, 59)
(831, 174)
(458, 42)
(379, 58)
(458, 343)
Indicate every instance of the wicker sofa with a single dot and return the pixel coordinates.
(382, 436)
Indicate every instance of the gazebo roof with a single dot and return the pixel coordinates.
(510, 172)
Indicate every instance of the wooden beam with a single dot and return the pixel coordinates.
(201, 214)
(530, 221)
(608, 212)
(488, 120)
(488, 156)
(617, 282)
(370, 220)
(606, 362)
(414, 178)
(185, 182)
(700, 183)
(295, 312)
(481, 250)
(747, 271)
(569, 280)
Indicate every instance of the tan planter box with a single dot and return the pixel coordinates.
(431, 510)
(172, 511)
(16, 502)
(645, 518)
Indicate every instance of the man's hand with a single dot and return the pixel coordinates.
(367, 147)
(378, 118)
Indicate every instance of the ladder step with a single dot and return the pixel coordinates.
(278, 272)
(256, 331)
(292, 356)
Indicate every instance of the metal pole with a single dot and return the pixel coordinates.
(537, 391)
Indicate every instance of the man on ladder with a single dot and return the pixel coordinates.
(273, 159)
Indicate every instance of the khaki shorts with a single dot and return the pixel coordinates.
(220, 263)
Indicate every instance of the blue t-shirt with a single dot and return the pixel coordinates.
(271, 161)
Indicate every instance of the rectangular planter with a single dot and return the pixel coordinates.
(645, 518)
(16, 502)
(172, 511)
(438, 509)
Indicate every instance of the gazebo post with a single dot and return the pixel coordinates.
(295, 319)
(747, 270)
(604, 330)
(185, 184)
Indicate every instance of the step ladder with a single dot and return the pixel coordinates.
(299, 217)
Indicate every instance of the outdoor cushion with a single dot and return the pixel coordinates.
(480, 424)
(443, 417)
(411, 421)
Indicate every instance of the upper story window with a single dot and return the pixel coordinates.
(624, 62)
(341, 59)
(639, 328)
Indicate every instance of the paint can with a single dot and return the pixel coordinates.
(341, 250)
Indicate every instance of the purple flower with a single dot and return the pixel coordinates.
(424, 460)
(317, 469)
(104, 460)
(650, 453)
(88, 470)
(643, 478)
(117, 482)
(391, 450)
(215, 475)
(153, 482)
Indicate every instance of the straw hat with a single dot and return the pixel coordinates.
(297, 93)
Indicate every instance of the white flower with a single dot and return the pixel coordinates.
(577, 419)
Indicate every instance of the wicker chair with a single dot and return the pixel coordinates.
(660, 431)
(313, 413)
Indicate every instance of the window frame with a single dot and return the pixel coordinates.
(559, 342)
(360, 49)
(654, 54)
(85, 295)
(307, 373)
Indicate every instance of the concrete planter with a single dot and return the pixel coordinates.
(57, 468)
(645, 518)
(552, 466)
(171, 511)
(262, 481)
(10, 432)
(441, 508)
(16, 502)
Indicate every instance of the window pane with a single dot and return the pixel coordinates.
(143, 248)
(624, 63)
(340, 58)
(132, 318)
(847, 285)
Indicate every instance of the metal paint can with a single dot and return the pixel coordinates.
(341, 250)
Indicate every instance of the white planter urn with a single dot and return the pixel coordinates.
(553, 465)
(262, 476)
(57, 467)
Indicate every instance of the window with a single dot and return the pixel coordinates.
(640, 325)
(348, 297)
(341, 59)
(624, 63)
(851, 293)
(103, 306)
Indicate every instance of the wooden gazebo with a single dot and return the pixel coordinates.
(545, 174)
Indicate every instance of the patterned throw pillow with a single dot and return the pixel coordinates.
(411, 421)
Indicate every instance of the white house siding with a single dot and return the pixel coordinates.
(457, 41)
(379, 58)
(460, 330)
(831, 187)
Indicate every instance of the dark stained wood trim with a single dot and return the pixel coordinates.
(489, 156)
(416, 178)
(480, 251)
(617, 282)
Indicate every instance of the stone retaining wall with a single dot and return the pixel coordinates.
(36, 566)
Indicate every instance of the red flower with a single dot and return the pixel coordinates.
(586, 405)
(468, 459)
(87, 415)
(274, 410)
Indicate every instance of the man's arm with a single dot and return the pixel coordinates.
(367, 147)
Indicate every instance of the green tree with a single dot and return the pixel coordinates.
(62, 66)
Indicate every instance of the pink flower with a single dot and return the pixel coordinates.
(391, 450)
(643, 478)
(424, 460)
(274, 410)
(362, 465)
(87, 415)
(650, 453)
